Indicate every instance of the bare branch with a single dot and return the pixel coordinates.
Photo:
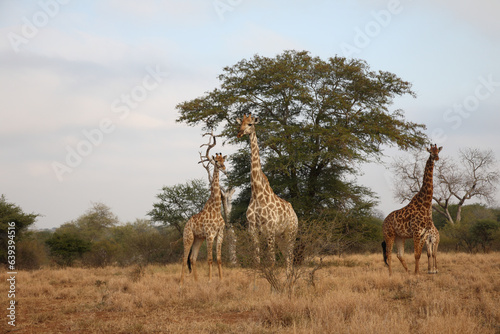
(409, 175)
(206, 160)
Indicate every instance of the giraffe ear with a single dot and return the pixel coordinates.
(440, 148)
(238, 121)
(256, 120)
(224, 157)
(428, 149)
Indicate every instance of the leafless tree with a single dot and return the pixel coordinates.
(475, 175)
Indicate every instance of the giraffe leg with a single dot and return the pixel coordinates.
(270, 262)
(271, 253)
(194, 255)
(389, 242)
(188, 242)
(210, 242)
(400, 246)
(255, 239)
(220, 237)
(430, 254)
(434, 255)
(285, 245)
(290, 247)
(417, 242)
(256, 256)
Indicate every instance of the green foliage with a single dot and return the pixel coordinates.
(319, 118)
(483, 231)
(474, 212)
(478, 230)
(143, 243)
(11, 213)
(93, 224)
(179, 202)
(440, 220)
(89, 234)
(101, 253)
(67, 247)
(96, 239)
(355, 230)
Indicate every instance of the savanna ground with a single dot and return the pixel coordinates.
(352, 294)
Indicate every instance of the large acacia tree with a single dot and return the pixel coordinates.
(318, 120)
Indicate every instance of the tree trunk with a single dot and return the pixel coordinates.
(459, 214)
(443, 210)
(448, 216)
(230, 235)
(231, 239)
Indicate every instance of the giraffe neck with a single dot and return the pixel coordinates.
(426, 191)
(258, 181)
(214, 201)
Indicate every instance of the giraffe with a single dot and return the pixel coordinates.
(267, 214)
(207, 224)
(432, 242)
(412, 221)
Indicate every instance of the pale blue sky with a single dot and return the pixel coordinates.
(67, 67)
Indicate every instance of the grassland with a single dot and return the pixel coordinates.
(353, 294)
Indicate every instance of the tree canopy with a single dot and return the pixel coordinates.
(12, 213)
(92, 225)
(179, 202)
(318, 120)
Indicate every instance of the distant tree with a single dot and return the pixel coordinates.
(96, 221)
(142, 243)
(179, 202)
(475, 175)
(474, 231)
(93, 225)
(319, 118)
(483, 231)
(66, 247)
(90, 233)
(11, 213)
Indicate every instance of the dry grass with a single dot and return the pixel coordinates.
(352, 295)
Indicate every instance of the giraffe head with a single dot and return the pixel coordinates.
(434, 151)
(247, 125)
(219, 160)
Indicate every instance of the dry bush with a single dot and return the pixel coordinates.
(31, 254)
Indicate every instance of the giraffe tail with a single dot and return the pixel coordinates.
(189, 259)
(384, 252)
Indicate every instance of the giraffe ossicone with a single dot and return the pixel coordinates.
(413, 221)
(207, 224)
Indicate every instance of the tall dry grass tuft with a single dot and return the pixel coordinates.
(351, 294)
